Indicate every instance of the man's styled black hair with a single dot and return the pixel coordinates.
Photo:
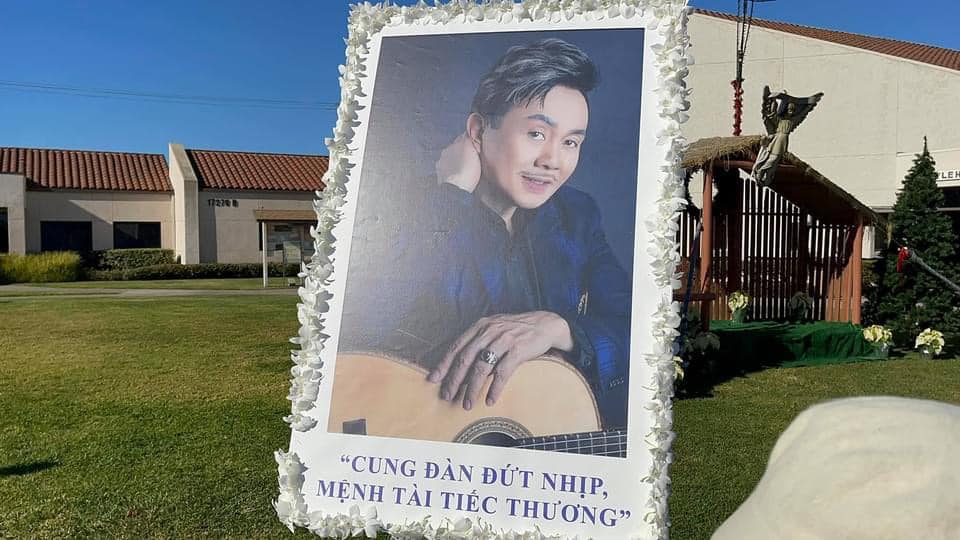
(528, 72)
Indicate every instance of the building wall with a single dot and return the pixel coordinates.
(874, 107)
(102, 209)
(186, 243)
(12, 197)
(228, 229)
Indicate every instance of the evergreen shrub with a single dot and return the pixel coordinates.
(123, 259)
(194, 271)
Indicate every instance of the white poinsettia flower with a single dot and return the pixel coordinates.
(878, 334)
(738, 301)
(931, 340)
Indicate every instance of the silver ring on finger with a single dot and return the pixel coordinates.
(489, 357)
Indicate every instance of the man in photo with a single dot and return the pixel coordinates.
(505, 263)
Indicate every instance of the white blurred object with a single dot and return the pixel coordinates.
(861, 468)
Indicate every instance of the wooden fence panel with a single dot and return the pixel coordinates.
(772, 250)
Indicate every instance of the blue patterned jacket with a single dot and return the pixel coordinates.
(452, 271)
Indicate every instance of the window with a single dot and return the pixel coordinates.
(133, 234)
(66, 236)
(4, 232)
(879, 240)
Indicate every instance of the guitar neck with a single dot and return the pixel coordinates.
(597, 443)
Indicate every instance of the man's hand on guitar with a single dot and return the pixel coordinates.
(513, 338)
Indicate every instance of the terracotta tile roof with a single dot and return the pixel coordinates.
(246, 170)
(926, 54)
(80, 169)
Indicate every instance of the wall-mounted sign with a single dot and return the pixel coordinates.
(223, 202)
(948, 176)
(291, 252)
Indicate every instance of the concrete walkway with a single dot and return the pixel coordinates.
(21, 292)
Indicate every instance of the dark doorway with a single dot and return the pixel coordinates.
(4, 232)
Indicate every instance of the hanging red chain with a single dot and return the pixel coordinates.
(737, 106)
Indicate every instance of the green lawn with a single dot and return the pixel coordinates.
(157, 417)
(143, 417)
(218, 284)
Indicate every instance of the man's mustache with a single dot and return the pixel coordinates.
(540, 177)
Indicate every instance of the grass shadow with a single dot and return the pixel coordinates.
(23, 469)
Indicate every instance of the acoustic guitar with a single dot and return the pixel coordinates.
(546, 405)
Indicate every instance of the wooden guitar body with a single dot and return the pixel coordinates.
(387, 397)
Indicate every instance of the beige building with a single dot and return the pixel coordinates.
(881, 97)
(208, 206)
(227, 201)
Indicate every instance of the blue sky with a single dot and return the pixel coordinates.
(283, 55)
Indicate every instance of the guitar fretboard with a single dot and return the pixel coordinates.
(597, 443)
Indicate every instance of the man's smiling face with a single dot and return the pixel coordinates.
(536, 147)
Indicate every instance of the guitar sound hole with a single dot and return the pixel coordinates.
(495, 439)
(493, 432)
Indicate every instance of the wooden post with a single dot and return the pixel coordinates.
(857, 256)
(831, 273)
(843, 280)
(706, 237)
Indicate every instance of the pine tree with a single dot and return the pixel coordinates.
(910, 301)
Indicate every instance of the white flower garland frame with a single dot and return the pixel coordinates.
(671, 60)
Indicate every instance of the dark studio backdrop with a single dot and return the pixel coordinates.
(421, 99)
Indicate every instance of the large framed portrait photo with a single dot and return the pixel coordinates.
(492, 340)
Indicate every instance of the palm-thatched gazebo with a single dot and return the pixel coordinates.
(801, 234)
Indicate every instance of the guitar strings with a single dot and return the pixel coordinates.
(574, 443)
